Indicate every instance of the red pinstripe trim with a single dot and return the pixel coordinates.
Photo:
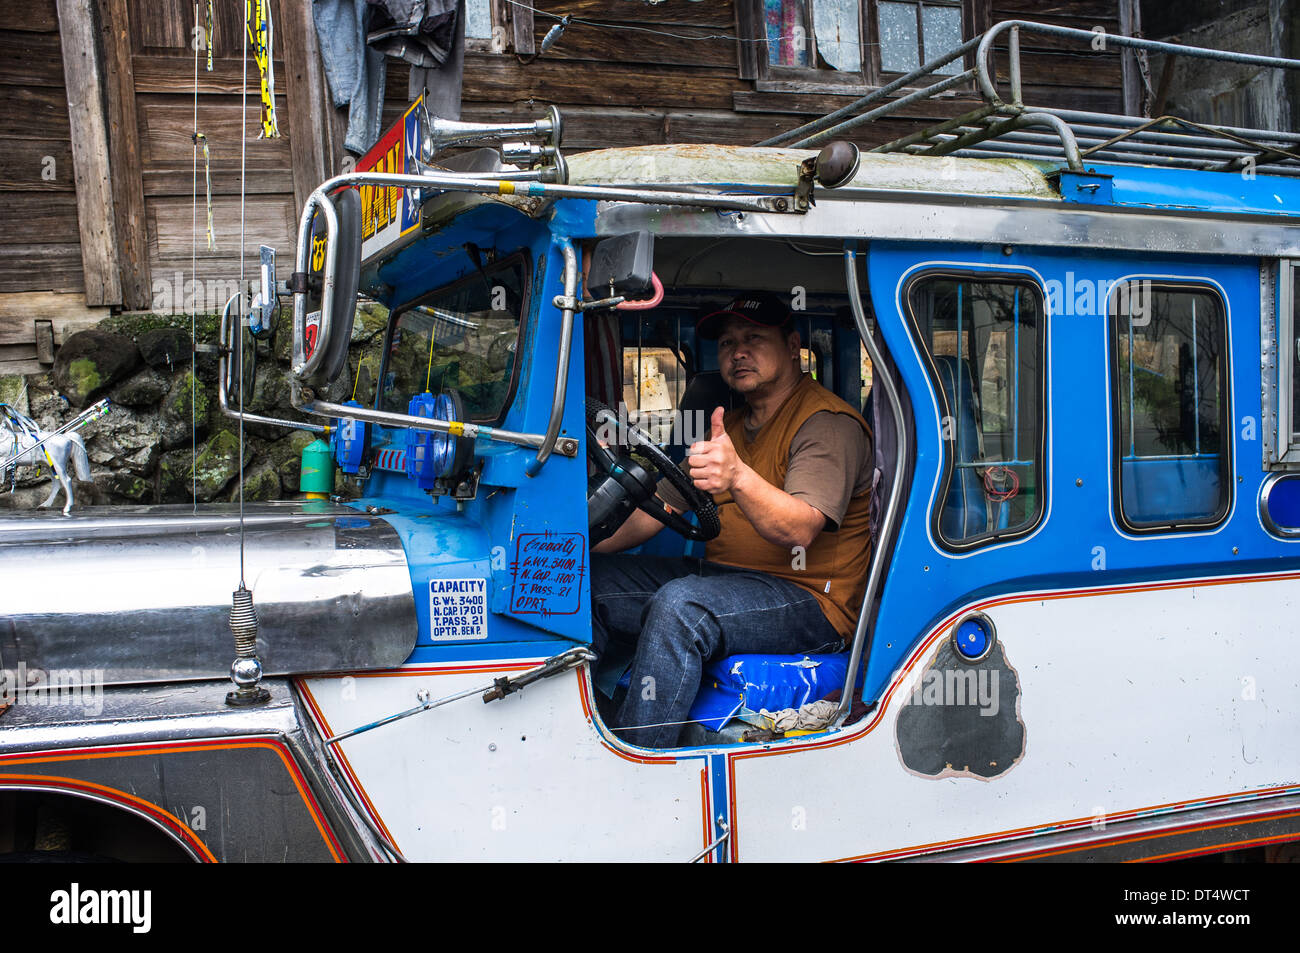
(323, 726)
(135, 750)
(168, 820)
(1171, 832)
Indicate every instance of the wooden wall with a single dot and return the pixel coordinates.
(618, 87)
(625, 85)
(41, 281)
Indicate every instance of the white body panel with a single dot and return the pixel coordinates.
(1137, 700)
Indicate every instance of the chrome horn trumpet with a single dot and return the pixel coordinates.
(542, 154)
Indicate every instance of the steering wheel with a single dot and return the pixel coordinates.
(622, 484)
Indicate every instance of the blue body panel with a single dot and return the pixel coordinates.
(1192, 189)
(514, 518)
(1078, 542)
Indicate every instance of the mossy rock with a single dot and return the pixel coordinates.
(90, 362)
(145, 389)
(261, 483)
(127, 486)
(13, 391)
(136, 323)
(216, 466)
(184, 389)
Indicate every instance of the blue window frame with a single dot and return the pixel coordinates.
(1172, 453)
(982, 337)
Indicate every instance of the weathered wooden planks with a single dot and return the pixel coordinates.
(124, 154)
(83, 69)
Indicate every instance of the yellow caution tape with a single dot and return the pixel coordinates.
(208, 43)
(257, 17)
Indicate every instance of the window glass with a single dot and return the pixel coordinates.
(899, 49)
(865, 370)
(463, 337)
(985, 346)
(369, 325)
(478, 19)
(1170, 353)
(787, 32)
(835, 23)
(653, 381)
(941, 33)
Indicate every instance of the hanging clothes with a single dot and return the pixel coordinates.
(430, 35)
(355, 71)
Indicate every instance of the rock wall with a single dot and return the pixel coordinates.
(165, 440)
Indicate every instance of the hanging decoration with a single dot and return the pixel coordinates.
(208, 28)
(207, 173)
(260, 35)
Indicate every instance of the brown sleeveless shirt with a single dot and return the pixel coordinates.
(834, 568)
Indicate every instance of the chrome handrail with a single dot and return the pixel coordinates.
(568, 305)
(861, 639)
(223, 397)
(304, 366)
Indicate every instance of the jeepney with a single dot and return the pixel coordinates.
(1074, 336)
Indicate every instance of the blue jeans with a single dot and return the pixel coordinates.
(677, 614)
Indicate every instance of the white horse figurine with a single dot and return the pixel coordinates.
(19, 436)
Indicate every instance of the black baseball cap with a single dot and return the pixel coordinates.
(762, 308)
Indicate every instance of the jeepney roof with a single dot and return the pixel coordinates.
(690, 164)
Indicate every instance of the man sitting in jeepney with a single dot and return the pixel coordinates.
(790, 472)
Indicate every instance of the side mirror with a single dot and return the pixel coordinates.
(622, 265)
(341, 261)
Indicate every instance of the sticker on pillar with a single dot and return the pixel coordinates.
(310, 334)
(457, 609)
(547, 573)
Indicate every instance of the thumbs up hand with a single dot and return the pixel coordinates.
(714, 465)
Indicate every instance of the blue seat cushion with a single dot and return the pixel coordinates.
(772, 682)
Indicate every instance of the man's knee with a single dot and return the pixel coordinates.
(680, 617)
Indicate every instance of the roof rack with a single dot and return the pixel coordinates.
(999, 126)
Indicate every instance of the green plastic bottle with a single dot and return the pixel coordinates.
(317, 479)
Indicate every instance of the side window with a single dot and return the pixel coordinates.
(1170, 401)
(984, 341)
(1282, 443)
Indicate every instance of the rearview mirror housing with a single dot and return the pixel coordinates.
(622, 265)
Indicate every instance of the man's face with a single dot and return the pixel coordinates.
(753, 358)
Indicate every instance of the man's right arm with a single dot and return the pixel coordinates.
(639, 527)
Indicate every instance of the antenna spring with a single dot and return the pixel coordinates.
(246, 670)
(243, 623)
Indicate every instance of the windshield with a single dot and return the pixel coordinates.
(462, 337)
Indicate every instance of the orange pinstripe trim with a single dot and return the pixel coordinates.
(704, 804)
(583, 685)
(314, 709)
(1058, 826)
(1253, 842)
(120, 751)
(55, 782)
(733, 841)
(1172, 832)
